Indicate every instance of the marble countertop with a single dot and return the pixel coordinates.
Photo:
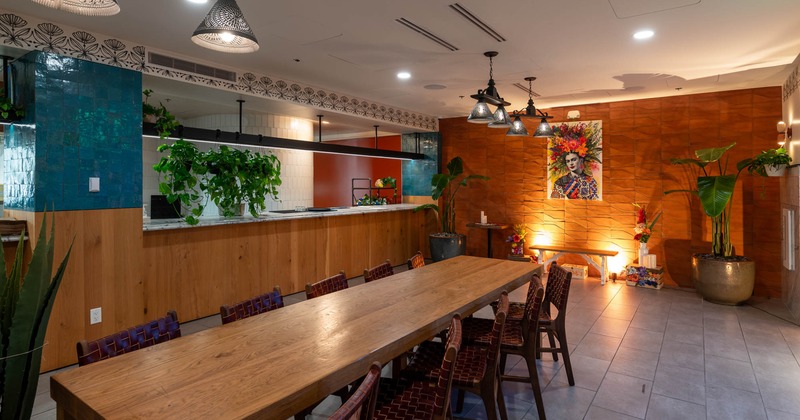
(166, 224)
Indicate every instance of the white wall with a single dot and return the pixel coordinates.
(791, 116)
(297, 167)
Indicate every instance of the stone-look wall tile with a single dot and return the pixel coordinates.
(87, 120)
(639, 139)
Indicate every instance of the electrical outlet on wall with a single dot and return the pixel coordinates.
(95, 316)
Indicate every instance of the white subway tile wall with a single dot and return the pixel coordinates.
(297, 167)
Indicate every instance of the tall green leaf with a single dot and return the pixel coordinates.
(712, 154)
(715, 192)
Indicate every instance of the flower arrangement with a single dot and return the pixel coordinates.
(642, 229)
(581, 138)
(517, 240)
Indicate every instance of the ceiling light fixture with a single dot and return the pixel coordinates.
(518, 128)
(481, 114)
(644, 34)
(404, 75)
(225, 29)
(198, 1)
(83, 7)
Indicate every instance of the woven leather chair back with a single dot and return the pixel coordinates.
(493, 354)
(444, 383)
(558, 291)
(126, 341)
(378, 272)
(533, 308)
(361, 405)
(416, 261)
(329, 285)
(253, 306)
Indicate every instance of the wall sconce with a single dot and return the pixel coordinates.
(784, 133)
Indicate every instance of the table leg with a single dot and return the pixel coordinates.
(603, 270)
(489, 243)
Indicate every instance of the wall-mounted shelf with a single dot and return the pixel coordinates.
(370, 188)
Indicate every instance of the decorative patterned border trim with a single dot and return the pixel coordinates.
(20, 32)
(791, 84)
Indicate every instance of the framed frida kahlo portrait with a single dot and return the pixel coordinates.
(575, 161)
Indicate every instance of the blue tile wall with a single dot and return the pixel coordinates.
(88, 123)
(417, 173)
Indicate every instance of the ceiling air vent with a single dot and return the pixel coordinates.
(525, 89)
(471, 18)
(427, 34)
(188, 66)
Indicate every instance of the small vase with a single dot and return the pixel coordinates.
(642, 252)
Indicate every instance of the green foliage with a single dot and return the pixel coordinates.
(183, 175)
(166, 123)
(445, 186)
(715, 190)
(25, 308)
(771, 157)
(227, 176)
(9, 111)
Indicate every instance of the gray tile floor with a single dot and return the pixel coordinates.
(641, 354)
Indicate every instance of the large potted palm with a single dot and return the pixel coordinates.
(721, 276)
(447, 243)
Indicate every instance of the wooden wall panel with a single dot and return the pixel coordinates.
(639, 139)
(103, 271)
(196, 270)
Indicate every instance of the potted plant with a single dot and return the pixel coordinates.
(25, 308)
(9, 111)
(183, 178)
(166, 123)
(770, 162)
(721, 276)
(239, 177)
(448, 243)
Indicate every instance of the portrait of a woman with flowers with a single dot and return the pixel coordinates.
(575, 161)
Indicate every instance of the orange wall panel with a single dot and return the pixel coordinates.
(639, 139)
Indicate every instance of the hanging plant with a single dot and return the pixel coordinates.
(9, 111)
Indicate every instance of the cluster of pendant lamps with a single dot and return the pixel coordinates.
(500, 118)
(223, 29)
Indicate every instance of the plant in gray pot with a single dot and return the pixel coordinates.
(721, 276)
(447, 243)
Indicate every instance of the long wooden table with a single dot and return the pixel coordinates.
(275, 364)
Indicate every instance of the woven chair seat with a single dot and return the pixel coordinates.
(478, 331)
(405, 398)
(469, 368)
(516, 310)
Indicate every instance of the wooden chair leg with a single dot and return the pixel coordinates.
(501, 400)
(533, 371)
(551, 338)
(489, 398)
(564, 349)
(460, 401)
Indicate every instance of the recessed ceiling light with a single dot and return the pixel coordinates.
(198, 1)
(644, 34)
(326, 122)
(404, 75)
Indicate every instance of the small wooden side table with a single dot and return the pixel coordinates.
(489, 228)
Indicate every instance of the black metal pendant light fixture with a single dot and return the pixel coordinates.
(83, 7)
(225, 29)
(518, 128)
(481, 114)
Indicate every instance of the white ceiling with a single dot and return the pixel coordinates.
(581, 51)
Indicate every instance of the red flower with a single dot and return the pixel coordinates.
(641, 216)
(516, 238)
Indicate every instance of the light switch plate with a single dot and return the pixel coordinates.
(95, 316)
(94, 184)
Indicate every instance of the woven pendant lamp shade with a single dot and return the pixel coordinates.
(225, 29)
(83, 7)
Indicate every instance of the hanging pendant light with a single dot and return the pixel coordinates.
(225, 29)
(517, 128)
(83, 7)
(543, 130)
(489, 96)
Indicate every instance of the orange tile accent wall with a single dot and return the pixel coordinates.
(332, 173)
(639, 139)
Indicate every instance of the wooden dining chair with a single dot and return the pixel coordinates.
(476, 367)
(519, 338)
(516, 310)
(329, 285)
(416, 261)
(378, 272)
(408, 398)
(253, 306)
(361, 405)
(128, 340)
(556, 296)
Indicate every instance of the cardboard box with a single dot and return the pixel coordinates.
(579, 272)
